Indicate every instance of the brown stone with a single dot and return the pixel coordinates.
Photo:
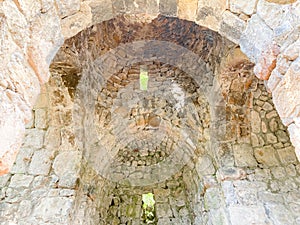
(187, 9)
(154, 121)
(267, 62)
(266, 156)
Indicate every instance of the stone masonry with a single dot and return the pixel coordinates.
(205, 137)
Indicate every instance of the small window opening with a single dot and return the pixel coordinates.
(144, 78)
(149, 208)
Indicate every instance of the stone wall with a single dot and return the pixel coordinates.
(33, 31)
(229, 161)
(230, 156)
(255, 182)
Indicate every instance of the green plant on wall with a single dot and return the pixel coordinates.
(149, 208)
(144, 78)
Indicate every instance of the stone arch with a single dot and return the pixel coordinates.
(234, 20)
(229, 174)
(100, 68)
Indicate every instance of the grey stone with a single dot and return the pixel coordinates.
(40, 116)
(66, 8)
(66, 166)
(255, 38)
(20, 180)
(4, 179)
(163, 210)
(229, 193)
(290, 170)
(240, 6)
(273, 14)
(41, 162)
(218, 216)
(25, 208)
(168, 7)
(212, 198)
(53, 209)
(243, 155)
(22, 161)
(101, 10)
(278, 172)
(34, 138)
(245, 215)
(232, 26)
(205, 166)
(279, 214)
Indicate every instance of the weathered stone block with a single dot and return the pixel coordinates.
(168, 7)
(273, 14)
(229, 193)
(34, 138)
(53, 209)
(255, 38)
(245, 215)
(287, 155)
(4, 179)
(66, 166)
(278, 172)
(101, 10)
(17, 24)
(45, 27)
(30, 8)
(243, 156)
(66, 8)
(135, 6)
(163, 210)
(279, 213)
(266, 62)
(241, 6)
(218, 216)
(294, 131)
(212, 198)
(232, 27)
(287, 94)
(205, 166)
(41, 162)
(52, 138)
(209, 13)
(40, 116)
(22, 161)
(25, 208)
(282, 136)
(20, 180)
(291, 170)
(231, 173)
(271, 138)
(187, 9)
(73, 24)
(255, 122)
(293, 51)
(266, 155)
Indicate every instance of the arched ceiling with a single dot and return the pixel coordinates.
(113, 117)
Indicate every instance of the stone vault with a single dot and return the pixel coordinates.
(204, 137)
